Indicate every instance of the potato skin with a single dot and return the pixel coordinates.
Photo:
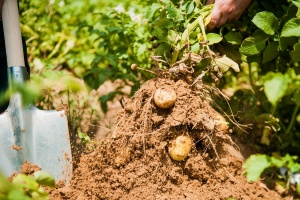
(134, 66)
(165, 97)
(180, 147)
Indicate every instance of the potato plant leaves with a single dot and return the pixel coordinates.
(297, 97)
(295, 54)
(254, 44)
(276, 87)
(234, 37)
(213, 38)
(266, 21)
(225, 63)
(270, 52)
(291, 28)
(255, 165)
(44, 178)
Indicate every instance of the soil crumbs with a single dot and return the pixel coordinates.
(133, 161)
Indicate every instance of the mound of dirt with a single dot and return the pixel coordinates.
(134, 163)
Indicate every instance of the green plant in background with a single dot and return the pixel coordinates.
(26, 187)
(271, 49)
(86, 140)
(286, 169)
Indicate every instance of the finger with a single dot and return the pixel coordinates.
(215, 18)
(222, 21)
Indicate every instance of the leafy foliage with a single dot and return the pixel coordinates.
(272, 45)
(287, 168)
(26, 187)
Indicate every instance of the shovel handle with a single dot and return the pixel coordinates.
(12, 34)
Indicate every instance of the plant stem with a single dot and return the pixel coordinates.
(292, 122)
(251, 78)
(189, 29)
(274, 110)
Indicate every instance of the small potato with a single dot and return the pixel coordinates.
(165, 98)
(134, 66)
(220, 122)
(180, 147)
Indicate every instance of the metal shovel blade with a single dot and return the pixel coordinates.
(39, 137)
(27, 133)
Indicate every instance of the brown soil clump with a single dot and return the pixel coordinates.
(28, 169)
(134, 163)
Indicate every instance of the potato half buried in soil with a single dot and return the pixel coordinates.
(180, 147)
(165, 97)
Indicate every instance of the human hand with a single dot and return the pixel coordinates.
(226, 10)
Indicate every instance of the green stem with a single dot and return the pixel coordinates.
(274, 110)
(175, 56)
(292, 122)
(190, 28)
(251, 78)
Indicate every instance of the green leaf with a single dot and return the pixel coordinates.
(172, 36)
(225, 63)
(276, 87)
(44, 178)
(190, 7)
(285, 42)
(253, 45)
(291, 28)
(295, 168)
(298, 188)
(26, 181)
(4, 185)
(295, 54)
(266, 21)
(213, 38)
(290, 13)
(112, 60)
(296, 3)
(160, 33)
(234, 37)
(270, 52)
(142, 49)
(255, 165)
(277, 162)
(172, 12)
(17, 194)
(95, 77)
(297, 97)
(151, 11)
(105, 98)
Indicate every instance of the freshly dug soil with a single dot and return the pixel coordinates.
(133, 161)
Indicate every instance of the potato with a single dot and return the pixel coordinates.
(134, 66)
(165, 97)
(220, 122)
(180, 147)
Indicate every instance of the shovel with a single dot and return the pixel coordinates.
(27, 133)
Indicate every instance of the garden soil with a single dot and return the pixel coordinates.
(133, 161)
